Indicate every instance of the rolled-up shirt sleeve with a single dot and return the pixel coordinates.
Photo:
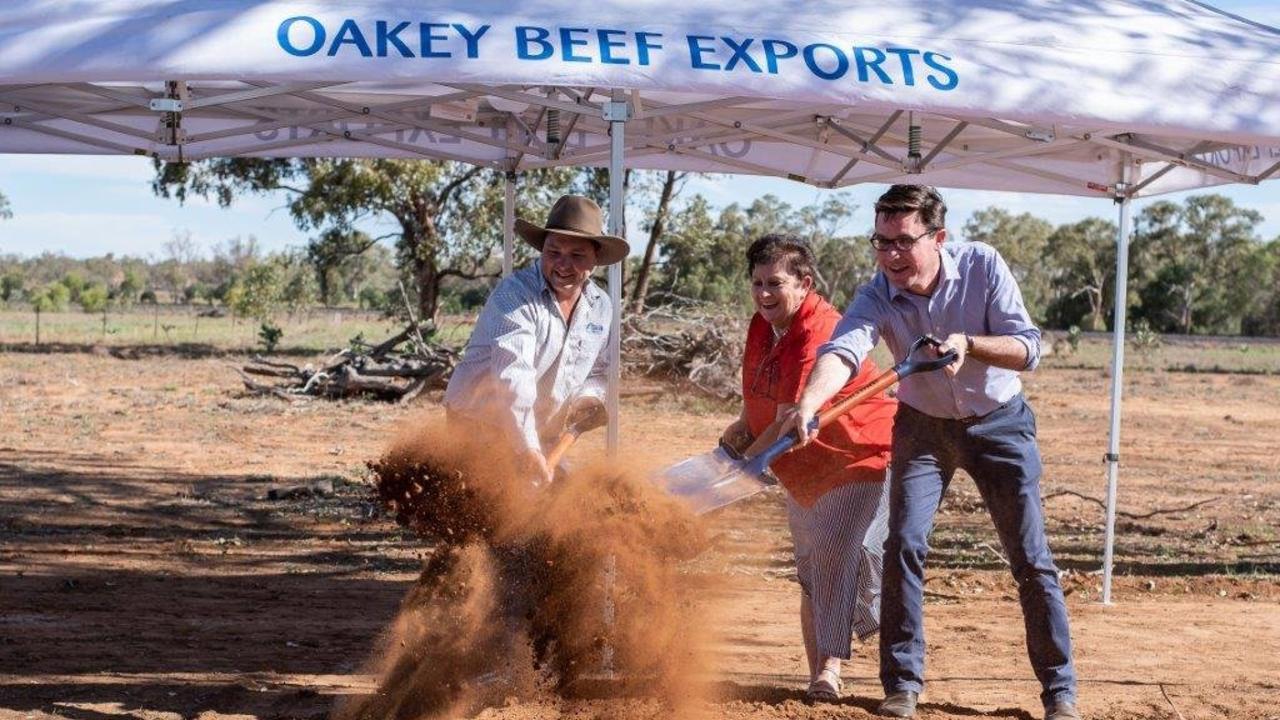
(514, 341)
(858, 330)
(1007, 314)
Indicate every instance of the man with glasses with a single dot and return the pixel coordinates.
(972, 417)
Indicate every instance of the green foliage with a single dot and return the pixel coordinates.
(129, 288)
(1073, 337)
(1264, 319)
(1197, 265)
(51, 298)
(269, 335)
(94, 298)
(1079, 264)
(298, 289)
(5, 210)
(75, 284)
(257, 294)
(1144, 340)
(371, 298)
(1021, 240)
(10, 286)
(449, 215)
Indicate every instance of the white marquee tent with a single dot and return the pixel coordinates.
(1115, 99)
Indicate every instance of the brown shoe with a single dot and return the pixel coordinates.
(901, 704)
(1061, 711)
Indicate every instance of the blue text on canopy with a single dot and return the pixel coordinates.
(304, 36)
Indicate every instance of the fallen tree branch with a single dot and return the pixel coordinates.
(1132, 516)
(1169, 700)
(384, 371)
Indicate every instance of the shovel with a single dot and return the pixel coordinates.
(713, 480)
(578, 422)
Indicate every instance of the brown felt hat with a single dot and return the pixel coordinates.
(576, 216)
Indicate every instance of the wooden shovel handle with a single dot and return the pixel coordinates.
(886, 378)
(560, 448)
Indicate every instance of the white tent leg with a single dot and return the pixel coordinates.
(508, 223)
(1117, 376)
(616, 112)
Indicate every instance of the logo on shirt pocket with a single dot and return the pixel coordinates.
(595, 329)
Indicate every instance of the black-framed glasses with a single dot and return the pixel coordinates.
(903, 243)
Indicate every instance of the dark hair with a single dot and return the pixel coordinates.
(774, 247)
(923, 199)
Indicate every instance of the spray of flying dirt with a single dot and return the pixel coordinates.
(533, 593)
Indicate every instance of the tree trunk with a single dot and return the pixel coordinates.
(37, 325)
(427, 277)
(641, 288)
(1095, 309)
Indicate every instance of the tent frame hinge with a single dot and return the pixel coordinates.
(615, 111)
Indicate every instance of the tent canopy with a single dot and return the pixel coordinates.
(1035, 96)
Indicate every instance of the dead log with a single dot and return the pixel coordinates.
(397, 369)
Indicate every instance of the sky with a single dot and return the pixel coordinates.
(85, 206)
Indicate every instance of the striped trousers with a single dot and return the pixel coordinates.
(839, 552)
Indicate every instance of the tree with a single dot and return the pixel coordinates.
(257, 294)
(448, 215)
(298, 289)
(329, 252)
(129, 288)
(10, 286)
(1081, 261)
(75, 284)
(700, 258)
(656, 225)
(1021, 241)
(1196, 264)
(181, 252)
(844, 262)
(53, 297)
(5, 211)
(1265, 320)
(93, 298)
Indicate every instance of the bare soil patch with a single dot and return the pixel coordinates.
(146, 571)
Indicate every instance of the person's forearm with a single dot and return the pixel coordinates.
(829, 374)
(1002, 351)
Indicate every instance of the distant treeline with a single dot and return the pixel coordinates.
(1198, 267)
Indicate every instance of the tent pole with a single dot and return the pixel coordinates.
(616, 112)
(1112, 457)
(508, 222)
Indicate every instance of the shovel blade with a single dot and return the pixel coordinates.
(711, 481)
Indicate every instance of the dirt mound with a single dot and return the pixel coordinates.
(533, 593)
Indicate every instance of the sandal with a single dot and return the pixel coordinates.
(825, 688)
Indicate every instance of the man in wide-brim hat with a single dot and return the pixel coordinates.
(539, 348)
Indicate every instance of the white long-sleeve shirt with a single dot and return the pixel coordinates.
(523, 363)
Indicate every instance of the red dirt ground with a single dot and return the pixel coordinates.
(145, 573)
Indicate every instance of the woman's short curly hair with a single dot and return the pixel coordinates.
(774, 247)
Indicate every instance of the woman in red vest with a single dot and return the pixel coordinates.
(835, 485)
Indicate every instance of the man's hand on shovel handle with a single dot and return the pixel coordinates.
(958, 342)
(795, 421)
(536, 469)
